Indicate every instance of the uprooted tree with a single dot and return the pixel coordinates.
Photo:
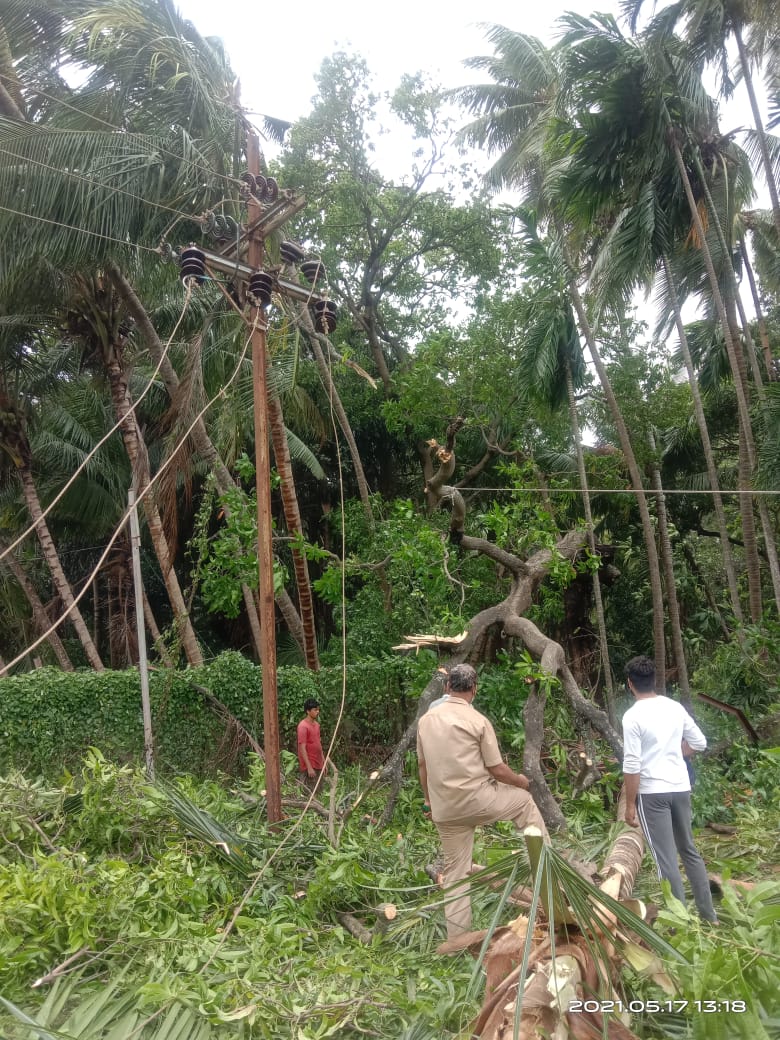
(507, 620)
(572, 938)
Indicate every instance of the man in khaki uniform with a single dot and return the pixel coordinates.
(466, 784)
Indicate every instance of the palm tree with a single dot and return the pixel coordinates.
(525, 115)
(707, 27)
(14, 443)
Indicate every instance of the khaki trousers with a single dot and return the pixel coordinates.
(457, 841)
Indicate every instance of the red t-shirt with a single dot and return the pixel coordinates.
(309, 737)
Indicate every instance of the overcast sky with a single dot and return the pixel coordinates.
(277, 47)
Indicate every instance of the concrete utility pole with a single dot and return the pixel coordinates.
(143, 664)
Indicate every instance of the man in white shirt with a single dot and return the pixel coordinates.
(658, 788)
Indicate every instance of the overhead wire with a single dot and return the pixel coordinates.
(140, 497)
(619, 491)
(83, 231)
(114, 189)
(114, 428)
(122, 130)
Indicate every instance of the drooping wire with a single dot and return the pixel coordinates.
(114, 428)
(118, 129)
(72, 227)
(123, 520)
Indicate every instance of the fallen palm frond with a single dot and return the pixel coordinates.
(105, 1014)
(241, 853)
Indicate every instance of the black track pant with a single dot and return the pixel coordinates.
(666, 822)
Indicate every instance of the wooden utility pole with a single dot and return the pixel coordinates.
(255, 248)
(240, 259)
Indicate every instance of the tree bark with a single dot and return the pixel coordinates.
(636, 482)
(667, 559)
(139, 463)
(58, 575)
(736, 361)
(709, 456)
(533, 722)
(606, 667)
(39, 614)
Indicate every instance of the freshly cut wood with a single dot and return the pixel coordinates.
(584, 961)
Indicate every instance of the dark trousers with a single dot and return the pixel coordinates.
(666, 822)
(312, 783)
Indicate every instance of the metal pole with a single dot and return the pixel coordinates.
(264, 523)
(143, 664)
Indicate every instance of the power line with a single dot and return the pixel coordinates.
(97, 184)
(83, 231)
(118, 129)
(120, 526)
(616, 491)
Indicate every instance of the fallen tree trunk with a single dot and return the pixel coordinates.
(505, 618)
(551, 983)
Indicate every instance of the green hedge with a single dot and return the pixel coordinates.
(50, 717)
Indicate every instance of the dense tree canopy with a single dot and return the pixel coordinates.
(541, 431)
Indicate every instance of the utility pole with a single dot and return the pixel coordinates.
(241, 259)
(265, 558)
(143, 664)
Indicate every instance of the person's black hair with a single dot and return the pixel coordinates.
(641, 671)
(462, 678)
(311, 703)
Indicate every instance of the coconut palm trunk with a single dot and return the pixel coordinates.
(61, 583)
(667, 560)
(653, 566)
(746, 457)
(40, 617)
(709, 456)
(139, 462)
(597, 600)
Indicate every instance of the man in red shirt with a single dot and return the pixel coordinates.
(311, 759)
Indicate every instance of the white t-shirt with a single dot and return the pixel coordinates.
(653, 731)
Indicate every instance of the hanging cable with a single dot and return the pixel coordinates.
(114, 428)
(120, 130)
(120, 526)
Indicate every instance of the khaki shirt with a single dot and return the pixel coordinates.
(457, 745)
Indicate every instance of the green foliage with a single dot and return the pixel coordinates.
(744, 968)
(744, 674)
(50, 717)
(404, 577)
(227, 559)
(739, 776)
(150, 920)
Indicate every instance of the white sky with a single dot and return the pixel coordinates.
(277, 47)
